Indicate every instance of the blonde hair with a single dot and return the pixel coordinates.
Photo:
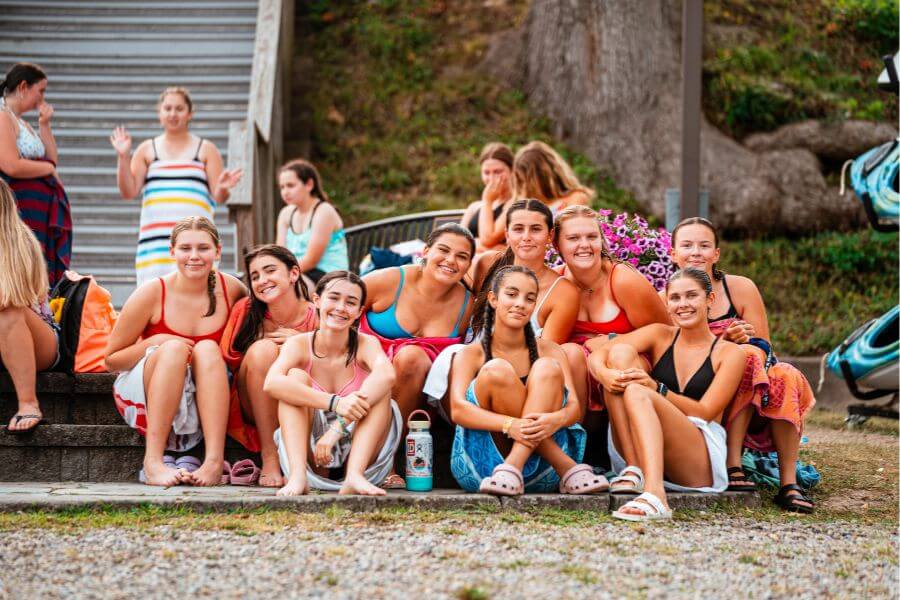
(539, 172)
(176, 90)
(205, 225)
(575, 212)
(23, 269)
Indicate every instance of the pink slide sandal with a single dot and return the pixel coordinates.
(244, 472)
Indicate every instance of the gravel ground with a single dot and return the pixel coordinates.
(489, 556)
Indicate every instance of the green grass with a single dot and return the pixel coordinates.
(810, 59)
(818, 289)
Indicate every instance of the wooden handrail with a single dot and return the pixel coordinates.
(255, 143)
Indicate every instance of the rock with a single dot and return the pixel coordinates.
(834, 141)
(608, 76)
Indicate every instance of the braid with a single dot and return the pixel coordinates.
(532, 343)
(487, 332)
(211, 292)
(717, 274)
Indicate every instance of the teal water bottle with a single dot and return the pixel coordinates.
(419, 454)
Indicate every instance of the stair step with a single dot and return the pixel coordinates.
(99, 157)
(26, 44)
(126, 236)
(127, 26)
(99, 138)
(12, 7)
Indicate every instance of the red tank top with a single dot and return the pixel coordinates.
(618, 324)
(161, 327)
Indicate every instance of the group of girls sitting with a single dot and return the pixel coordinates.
(526, 361)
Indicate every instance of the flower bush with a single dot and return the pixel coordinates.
(631, 240)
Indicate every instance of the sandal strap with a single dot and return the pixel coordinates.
(635, 471)
(653, 501)
(791, 487)
(733, 470)
(630, 478)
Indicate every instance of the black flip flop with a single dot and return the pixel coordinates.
(19, 418)
(739, 479)
(791, 502)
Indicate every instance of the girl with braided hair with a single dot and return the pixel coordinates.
(513, 402)
(173, 384)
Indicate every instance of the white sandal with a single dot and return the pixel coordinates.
(631, 474)
(651, 507)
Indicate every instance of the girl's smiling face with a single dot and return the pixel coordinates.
(580, 242)
(195, 253)
(340, 305)
(687, 302)
(695, 246)
(448, 258)
(270, 279)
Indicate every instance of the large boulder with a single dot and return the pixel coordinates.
(836, 141)
(607, 73)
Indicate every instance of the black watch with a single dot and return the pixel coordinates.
(661, 389)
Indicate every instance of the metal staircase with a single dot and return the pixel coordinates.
(106, 62)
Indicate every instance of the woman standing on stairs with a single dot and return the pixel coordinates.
(28, 165)
(173, 384)
(182, 175)
(29, 338)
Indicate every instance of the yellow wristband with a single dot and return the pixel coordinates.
(506, 425)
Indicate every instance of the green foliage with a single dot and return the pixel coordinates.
(818, 289)
(803, 62)
(871, 21)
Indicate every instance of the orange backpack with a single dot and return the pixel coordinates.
(86, 317)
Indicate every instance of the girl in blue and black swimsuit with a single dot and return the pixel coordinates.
(417, 311)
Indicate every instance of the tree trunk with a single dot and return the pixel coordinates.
(608, 75)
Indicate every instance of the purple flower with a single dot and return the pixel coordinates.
(622, 253)
(634, 261)
(621, 230)
(604, 212)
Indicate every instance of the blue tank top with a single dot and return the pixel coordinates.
(335, 256)
(385, 323)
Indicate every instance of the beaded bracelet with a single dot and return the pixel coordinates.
(345, 432)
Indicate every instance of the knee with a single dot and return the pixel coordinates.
(547, 369)
(636, 397)
(206, 352)
(261, 353)
(621, 356)
(411, 363)
(497, 372)
(575, 355)
(174, 350)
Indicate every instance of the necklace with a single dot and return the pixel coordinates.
(286, 325)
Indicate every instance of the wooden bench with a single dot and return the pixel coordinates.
(385, 232)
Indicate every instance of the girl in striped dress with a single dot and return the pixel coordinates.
(181, 175)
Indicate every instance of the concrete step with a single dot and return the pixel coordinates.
(160, 35)
(51, 21)
(176, 47)
(86, 257)
(100, 119)
(126, 213)
(212, 65)
(131, 8)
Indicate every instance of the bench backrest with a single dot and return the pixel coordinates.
(385, 232)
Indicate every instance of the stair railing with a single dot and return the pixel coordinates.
(255, 144)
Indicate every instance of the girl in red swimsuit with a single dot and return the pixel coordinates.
(165, 346)
(615, 298)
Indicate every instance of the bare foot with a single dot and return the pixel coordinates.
(270, 475)
(157, 473)
(358, 484)
(209, 473)
(294, 487)
(27, 417)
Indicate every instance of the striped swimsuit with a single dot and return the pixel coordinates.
(173, 190)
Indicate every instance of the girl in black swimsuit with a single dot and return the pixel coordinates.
(667, 408)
